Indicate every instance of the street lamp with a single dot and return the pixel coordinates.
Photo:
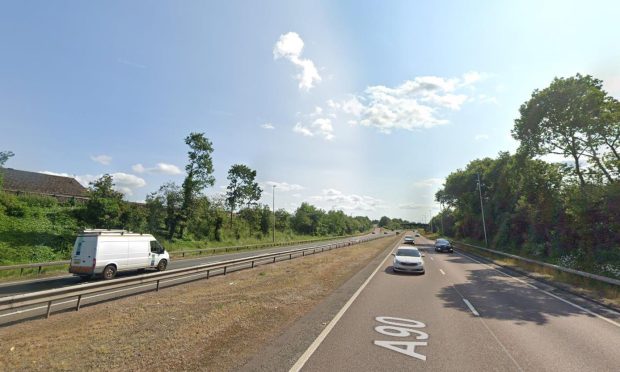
(273, 207)
(484, 227)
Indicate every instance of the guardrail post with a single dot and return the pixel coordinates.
(252, 264)
(49, 310)
(183, 254)
(77, 306)
(39, 272)
(225, 269)
(303, 253)
(157, 287)
(21, 271)
(274, 259)
(290, 256)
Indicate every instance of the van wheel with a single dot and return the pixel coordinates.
(161, 266)
(109, 272)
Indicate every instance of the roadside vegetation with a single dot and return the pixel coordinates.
(39, 229)
(566, 213)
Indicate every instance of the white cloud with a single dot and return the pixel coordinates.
(321, 127)
(481, 137)
(298, 128)
(127, 183)
(267, 126)
(429, 182)
(414, 206)
(290, 46)
(283, 186)
(337, 200)
(123, 182)
(417, 103)
(102, 159)
(160, 168)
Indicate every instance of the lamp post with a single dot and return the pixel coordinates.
(273, 207)
(484, 227)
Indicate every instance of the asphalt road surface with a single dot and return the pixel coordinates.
(464, 315)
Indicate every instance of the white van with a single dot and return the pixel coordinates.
(106, 252)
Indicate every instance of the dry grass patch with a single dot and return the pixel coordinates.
(215, 324)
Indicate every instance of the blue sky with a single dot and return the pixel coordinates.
(360, 106)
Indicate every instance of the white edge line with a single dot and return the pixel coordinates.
(548, 293)
(442, 272)
(317, 342)
(471, 307)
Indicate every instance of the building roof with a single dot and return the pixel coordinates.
(40, 183)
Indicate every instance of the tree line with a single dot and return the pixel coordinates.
(183, 211)
(565, 212)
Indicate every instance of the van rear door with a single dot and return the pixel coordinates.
(83, 255)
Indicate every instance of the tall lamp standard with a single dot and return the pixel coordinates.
(484, 225)
(273, 207)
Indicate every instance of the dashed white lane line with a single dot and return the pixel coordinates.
(471, 307)
(443, 272)
(432, 259)
(545, 292)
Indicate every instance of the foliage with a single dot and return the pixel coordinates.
(199, 175)
(242, 187)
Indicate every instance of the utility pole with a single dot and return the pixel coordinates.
(430, 219)
(442, 232)
(273, 207)
(484, 227)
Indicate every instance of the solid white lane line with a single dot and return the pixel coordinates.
(471, 307)
(317, 342)
(442, 272)
(549, 293)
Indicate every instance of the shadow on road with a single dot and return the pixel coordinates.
(497, 296)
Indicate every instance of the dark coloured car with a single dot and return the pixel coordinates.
(409, 240)
(443, 245)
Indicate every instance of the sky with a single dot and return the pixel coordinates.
(363, 106)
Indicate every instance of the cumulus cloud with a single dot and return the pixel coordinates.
(481, 137)
(418, 103)
(290, 46)
(123, 182)
(414, 206)
(102, 159)
(321, 127)
(159, 168)
(267, 126)
(429, 182)
(284, 186)
(337, 200)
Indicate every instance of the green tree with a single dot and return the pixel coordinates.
(384, 221)
(242, 187)
(104, 207)
(199, 175)
(4, 157)
(571, 118)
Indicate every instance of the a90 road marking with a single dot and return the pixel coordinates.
(401, 327)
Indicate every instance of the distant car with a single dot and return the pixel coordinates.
(374, 232)
(409, 239)
(417, 235)
(408, 259)
(385, 232)
(443, 245)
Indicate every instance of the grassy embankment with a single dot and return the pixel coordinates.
(38, 229)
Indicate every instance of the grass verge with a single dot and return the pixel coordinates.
(607, 294)
(215, 324)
